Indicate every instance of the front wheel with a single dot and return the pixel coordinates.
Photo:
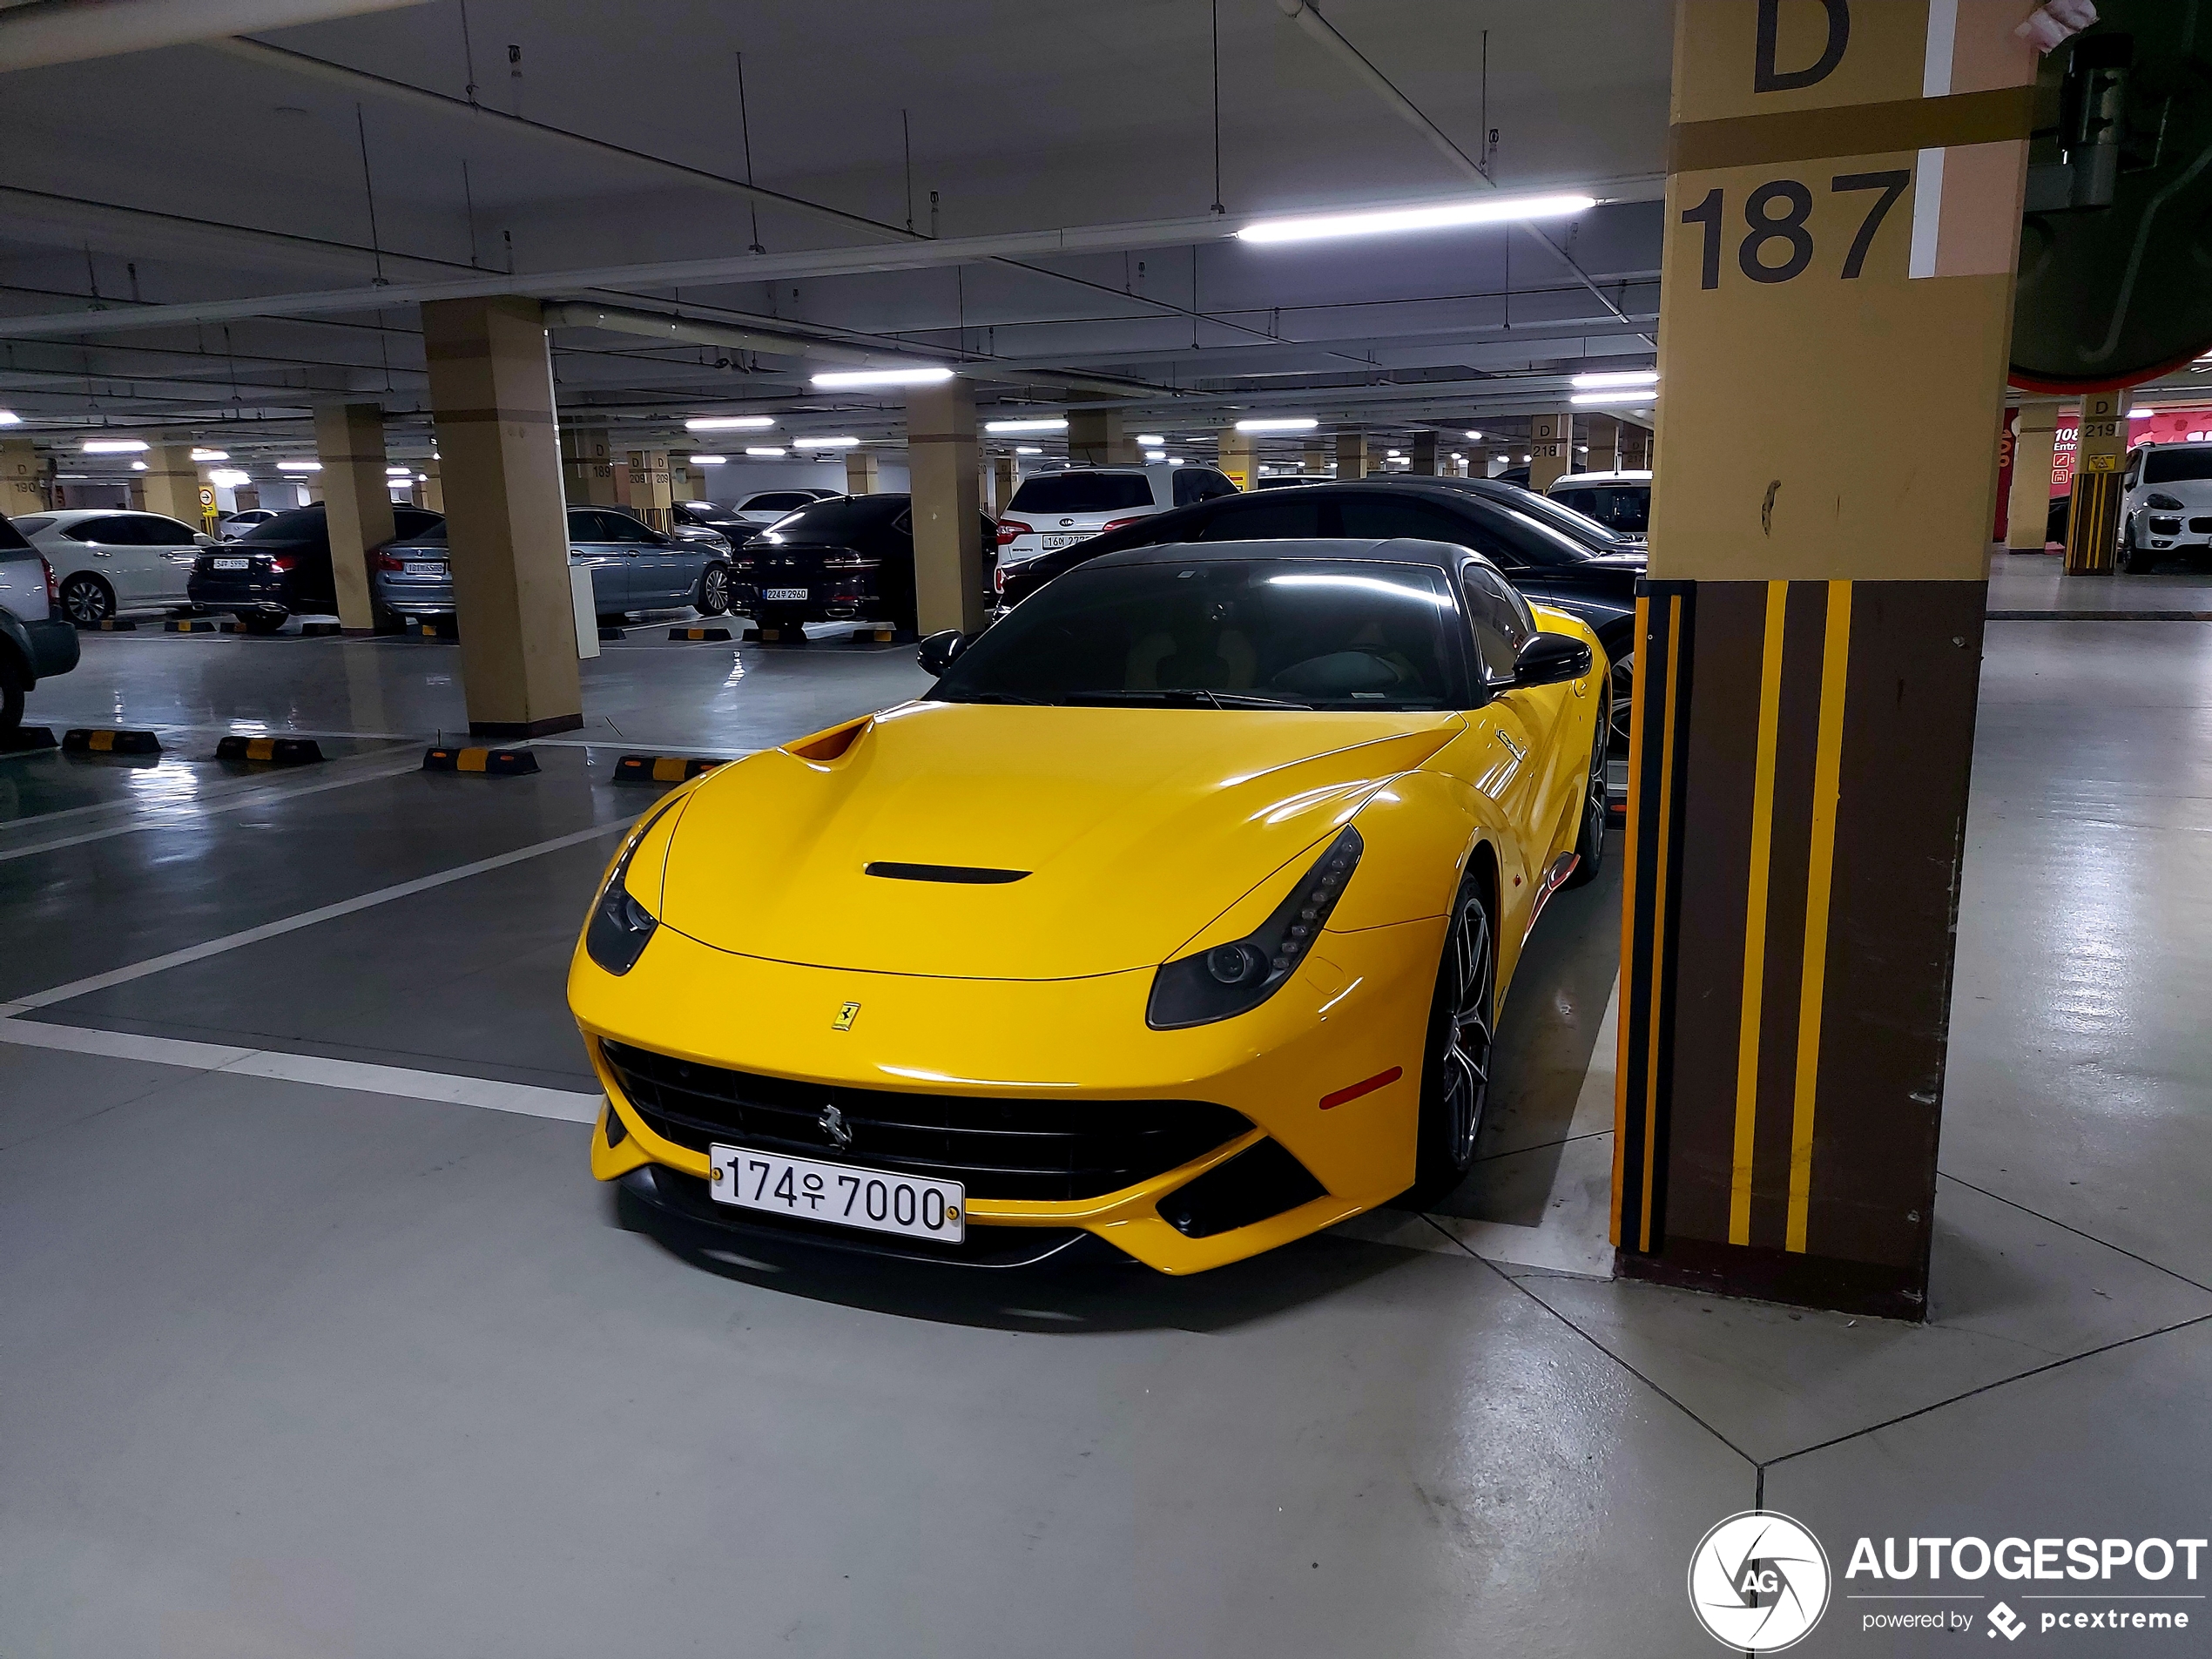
(1621, 690)
(1455, 1070)
(1597, 805)
(714, 591)
(86, 599)
(2133, 560)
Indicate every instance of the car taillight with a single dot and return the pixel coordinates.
(53, 583)
(848, 561)
(1011, 528)
(382, 561)
(998, 579)
(741, 565)
(1117, 524)
(282, 562)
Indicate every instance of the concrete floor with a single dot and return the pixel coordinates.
(322, 1342)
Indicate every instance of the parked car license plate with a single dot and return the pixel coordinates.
(1051, 542)
(426, 567)
(784, 596)
(873, 1199)
(228, 564)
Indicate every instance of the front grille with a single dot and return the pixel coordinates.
(1043, 1150)
(2201, 526)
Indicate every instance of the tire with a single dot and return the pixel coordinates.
(1597, 807)
(85, 598)
(713, 599)
(260, 621)
(12, 696)
(2133, 560)
(1621, 689)
(1455, 1067)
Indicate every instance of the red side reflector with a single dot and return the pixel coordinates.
(1380, 1080)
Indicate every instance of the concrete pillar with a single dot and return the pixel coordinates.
(1806, 647)
(1351, 454)
(1605, 443)
(2099, 454)
(1425, 454)
(942, 453)
(1096, 439)
(22, 479)
(171, 482)
(357, 498)
(1551, 447)
(1006, 478)
(651, 494)
(1238, 457)
(588, 467)
(2027, 513)
(1316, 459)
(433, 488)
(491, 395)
(134, 491)
(862, 474)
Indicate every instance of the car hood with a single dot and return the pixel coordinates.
(1137, 827)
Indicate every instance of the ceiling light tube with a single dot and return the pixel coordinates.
(883, 377)
(729, 422)
(211, 455)
(1056, 425)
(229, 478)
(1289, 423)
(1616, 377)
(823, 444)
(1474, 437)
(713, 460)
(8, 417)
(399, 472)
(112, 446)
(767, 454)
(1150, 440)
(1026, 450)
(1485, 210)
(298, 466)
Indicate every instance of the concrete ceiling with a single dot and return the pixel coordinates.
(194, 174)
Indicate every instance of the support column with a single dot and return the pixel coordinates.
(1238, 455)
(942, 455)
(434, 493)
(1316, 460)
(1551, 449)
(1605, 443)
(491, 395)
(2099, 452)
(1424, 455)
(2028, 514)
(651, 493)
(1096, 439)
(357, 501)
(1006, 478)
(862, 474)
(1351, 454)
(22, 479)
(588, 467)
(1807, 643)
(171, 481)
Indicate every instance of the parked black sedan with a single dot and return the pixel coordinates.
(849, 557)
(281, 568)
(1581, 567)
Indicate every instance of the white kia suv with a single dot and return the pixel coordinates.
(1051, 510)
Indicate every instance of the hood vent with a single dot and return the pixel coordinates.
(963, 874)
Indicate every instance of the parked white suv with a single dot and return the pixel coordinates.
(763, 507)
(35, 641)
(1620, 501)
(1051, 510)
(109, 560)
(2167, 506)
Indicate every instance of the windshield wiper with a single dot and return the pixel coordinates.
(1000, 696)
(1194, 695)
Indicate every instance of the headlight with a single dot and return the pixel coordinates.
(1226, 979)
(2163, 501)
(620, 926)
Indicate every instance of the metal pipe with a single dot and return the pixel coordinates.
(70, 31)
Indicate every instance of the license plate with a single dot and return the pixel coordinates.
(784, 596)
(1051, 542)
(873, 1200)
(229, 564)
(425, 567)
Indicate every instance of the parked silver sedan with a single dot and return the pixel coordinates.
(633, 568)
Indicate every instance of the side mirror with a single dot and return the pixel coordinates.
(937, 651)
(1549, 658)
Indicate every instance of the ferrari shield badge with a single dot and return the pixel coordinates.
(846, 1013)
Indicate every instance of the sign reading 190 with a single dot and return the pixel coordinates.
(1777, 244)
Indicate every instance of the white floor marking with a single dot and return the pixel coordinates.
(305, 918)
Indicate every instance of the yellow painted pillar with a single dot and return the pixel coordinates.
(357, 500)
(1551, 449)
(171, 482)
(588, 467)
(1096, 439)
(942, 453)
(1006, 478)
(1842, 219)
(863, 474)
(1315, 462)
(1238, 457)
(1351, 454)
(651, 494)
(433, 488)
(22, 479)
(2100, 454)
(2028, 511)
(491, 395)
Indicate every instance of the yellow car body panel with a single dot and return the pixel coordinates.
(1147, 834)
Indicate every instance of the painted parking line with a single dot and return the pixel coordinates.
(404, 1081)
(305, 918)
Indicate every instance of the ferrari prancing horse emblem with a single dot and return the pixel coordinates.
(846, 1015)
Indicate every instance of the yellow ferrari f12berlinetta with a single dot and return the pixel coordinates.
(1175, 917)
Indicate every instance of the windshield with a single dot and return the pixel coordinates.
(1081, 492)
(2178, 465)
(1626, 508)
(1223, 633)
(835, 519)
(1579, 526)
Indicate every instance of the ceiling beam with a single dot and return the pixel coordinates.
(70, 31)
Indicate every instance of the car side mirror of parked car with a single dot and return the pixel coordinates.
(1549, 658)
(938, 650)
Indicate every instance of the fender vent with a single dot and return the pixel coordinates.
(966, 874)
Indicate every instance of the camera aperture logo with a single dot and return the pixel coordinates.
(1759, 1581)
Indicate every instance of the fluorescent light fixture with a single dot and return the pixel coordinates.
(1616, 377)
(1484, 210)
(1474, 437)
(1174, 460)
(883, 377)
(1393, 454)
(298, 466)
(211, 455)
(729, 422)
(74, 477)
(1026, 450)
(1150, 440)
(2141, 414)
(399, 472)
(1632, 396)
(421, 477)
(707, 460)
(1156, 455)
(765, 453)
(8, 417)
(1288, 423)
(823, 444)
(229, 478)
(137, 466)
(112, 446)
(1057, 424)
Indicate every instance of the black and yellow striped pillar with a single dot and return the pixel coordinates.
(1843, 215)
(2093, 514)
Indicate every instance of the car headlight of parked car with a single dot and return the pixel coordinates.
(2162, 502)
(1223, 981)
(621, 928)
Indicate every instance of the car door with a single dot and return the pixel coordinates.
(595, 544)
(108, 547)
(172, 545)
(664, 567)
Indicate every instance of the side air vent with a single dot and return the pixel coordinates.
(966, 874)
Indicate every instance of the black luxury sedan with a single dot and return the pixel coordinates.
(281, 568)
(1549, 552)
(846, 557)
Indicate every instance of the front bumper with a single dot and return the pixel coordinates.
(1356, 1008)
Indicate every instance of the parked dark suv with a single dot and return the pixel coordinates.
(281, 568)
(1550, 553)
(850, 556)
(36, 640)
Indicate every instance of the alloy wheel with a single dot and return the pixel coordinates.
(1624, 694)
(84, 599)
(714, 591)
(1471, 967)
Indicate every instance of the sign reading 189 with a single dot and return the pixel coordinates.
(1776, 213)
